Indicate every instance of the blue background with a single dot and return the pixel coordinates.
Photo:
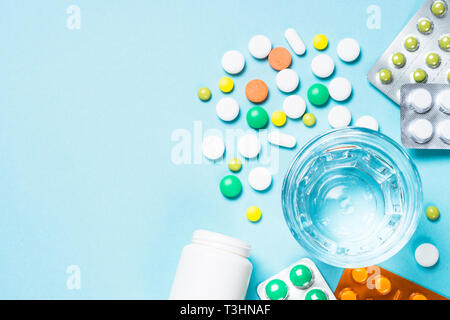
(86, 124)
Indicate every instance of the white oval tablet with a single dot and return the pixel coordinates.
(295, 41)
(259, 46)
(421, 100)
(340, 89)
(444, 131)
(249, 146)
(294, 106)
(348, 50)
(213, 147)
(421, 130)
(427, 255)
(367, 122)
(322, 66)
(287, 80)
(281, 139)
(227, 109)
(339, 117)
(260, 178)
(444, 101)
(233, 62)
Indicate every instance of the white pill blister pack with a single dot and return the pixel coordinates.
(425, 116)
(300, 281)
(419, 54)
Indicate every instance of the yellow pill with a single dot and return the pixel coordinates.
(309, 119)
(253, 214)
(278, 118)
(320, 42)
(235, 165)
(226, 84)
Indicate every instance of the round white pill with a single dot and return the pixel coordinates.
(427, 255)
(444, 131)
(259, 46)
(213, 147)
(322, 66)
(421, 130)
(227, 109)
(367, 122)
(260, 178)
(421, 100)
(348, 50)
(340, 89)
(233, 62)
(294, 106)
(444, 101)
(287, 80)
(281, 139)
(339, 117)
(249, 146)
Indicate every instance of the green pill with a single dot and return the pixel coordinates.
(432, 213)
(316, 294)
(420, 76)
(276, 290)
(257, 118)
(385, 76)
(318, 94)
(438, 8)
(399, 60)
(425, 26)
(231, 186)
(411, 44)
(300, 276)
(433, 60)
(444, 43)
(204, 94)
(448, 77)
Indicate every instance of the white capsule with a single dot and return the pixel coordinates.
(281, 139)
(249, 146)
(287, 80)
(340, 89)
(367, 122)
(427, 255)
(444, 131)
(322, 66)
(260, 178)
(295, 41)
(294, 106)
(213, 147)
(259, 46)
(421, 100)
(348, 50)
(444, 101)
(339, 117)
(421, 130)
(233, 62)
(227, 109)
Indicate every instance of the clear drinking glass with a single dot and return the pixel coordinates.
(352, 197)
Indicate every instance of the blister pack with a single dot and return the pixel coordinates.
(300, 281)
(425, 116)
(419, 54)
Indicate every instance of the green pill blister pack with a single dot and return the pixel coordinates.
(419, 54)
(300, 281)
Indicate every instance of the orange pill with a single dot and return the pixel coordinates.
(359, 275)
(256, 91)
(417, 296)
(383, 285)
(347, 294)
(280, 58)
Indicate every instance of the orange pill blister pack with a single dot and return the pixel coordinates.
(375, 283)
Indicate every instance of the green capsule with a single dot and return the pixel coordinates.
(276, 290)
(444, 43)
(316, 294)
(433, 60)
(257, 118)
(420, 76)
(318, 94)
(231, 186)
(425, 26)
(411, 44)
(438, 8)
(300, 276)
(399, 60)
(385, 76)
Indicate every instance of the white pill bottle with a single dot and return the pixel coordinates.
(212, 267)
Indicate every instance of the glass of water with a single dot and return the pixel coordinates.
(352, 197)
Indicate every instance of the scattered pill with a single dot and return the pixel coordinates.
(417, 296)
(421, 130)
(309, 119)
(432, 213)
(213, 147)
(235, 165)
(257, 118)
(233, 62)
(360, 275)
(383, 285)
(421, 100)
(226, 84)
(339, 117)
(340, 89)
(301, 276)
(231, 186)
(433, 60)
(427, 255)
(316, 294)
(347, 294)
(278, 118)
(318, 94)
(295, 41)
(320, 42)
(294, 106)
(253, 214)
(420, 76)
(399, 60)
(260, 178)
(444, 42)
(259, 46)
(424, 25)
(227, 109)
(249, 146)
(204, 94)
(256, 91)
(367, 122)
(411, 44)
(385, 76)
(280, 58)
(438, 8)
(287, 80)
(282, 140)
(276, 289)
(322, 66)
(444, 131)
(348, 50)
